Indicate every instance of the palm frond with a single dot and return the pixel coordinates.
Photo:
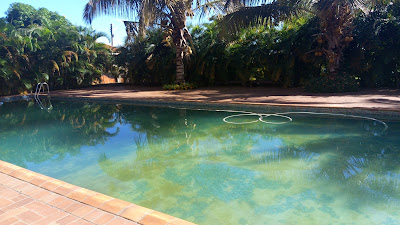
(3, 36)
(216, 7)
(110, 7)
(132, 28)
(69, 55)
(272, 13)
(364, 5)
(55, 66)
(17, 74)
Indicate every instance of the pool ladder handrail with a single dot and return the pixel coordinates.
(39, 88)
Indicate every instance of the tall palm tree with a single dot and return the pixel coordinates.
(336, 20)
(168, 14)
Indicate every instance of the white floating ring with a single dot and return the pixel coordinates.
(226, 121)
(261, 116)
(278, 115)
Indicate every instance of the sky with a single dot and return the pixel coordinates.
(73, 11)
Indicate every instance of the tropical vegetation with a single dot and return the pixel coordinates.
(168, 15)
(37, 45)
(324, 46)
(250, 46)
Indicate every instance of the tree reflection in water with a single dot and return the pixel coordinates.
(43, 135)
(193, 165)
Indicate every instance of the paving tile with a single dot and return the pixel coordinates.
(72, 208)
(57, 200)
(156, 218)
(19, 223)
(23, 174)
(14, 183)
(50, 210)
(8, 221)
(104, 219)
(130, 223)
(67, 185)
(83, 222)
(7, 168)
(38, 207)
(83, 211)
(22, 186)
(51, 218)
(4, 202)
(38, 180)
(50, 185)
(40, 193)
(17, 204)
(31, 191)
(29, 217)
(93, 215)
(6, 182)
(64, 190)
(115, 206)
(13, 212)
(97, 200)
(65, 204)
(4, 177)
(117, 220)
(27, 187)
(135, 212)
(59, 183)
(48, 197)
(66, 220)
(81, 194)
(18, 198)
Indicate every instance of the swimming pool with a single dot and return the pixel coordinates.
(315, 169)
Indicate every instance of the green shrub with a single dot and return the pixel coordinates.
(183, 86)
(332, 83)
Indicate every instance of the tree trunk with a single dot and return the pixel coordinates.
(178, 20)
(336, 31)
(180, 69)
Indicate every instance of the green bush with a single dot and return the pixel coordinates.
(332, 83)
(183, 86)
(42, 46)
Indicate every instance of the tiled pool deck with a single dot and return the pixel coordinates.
(372, 99)
(27, 197)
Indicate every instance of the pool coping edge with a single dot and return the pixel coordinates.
(115, 206)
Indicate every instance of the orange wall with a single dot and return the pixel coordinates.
(107, 79)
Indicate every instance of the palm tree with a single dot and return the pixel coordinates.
(335, 16)
(168, 14)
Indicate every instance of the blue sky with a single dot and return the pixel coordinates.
(73, 10)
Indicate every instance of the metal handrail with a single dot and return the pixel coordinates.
(39, 88)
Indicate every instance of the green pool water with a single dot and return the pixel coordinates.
(316, 169)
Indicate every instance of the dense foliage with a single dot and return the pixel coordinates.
(39, 45)
(332, 83)
(256, 54)
(374, 56)
(287, 55)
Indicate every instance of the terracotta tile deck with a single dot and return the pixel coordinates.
(30, 198)
(371, 99)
